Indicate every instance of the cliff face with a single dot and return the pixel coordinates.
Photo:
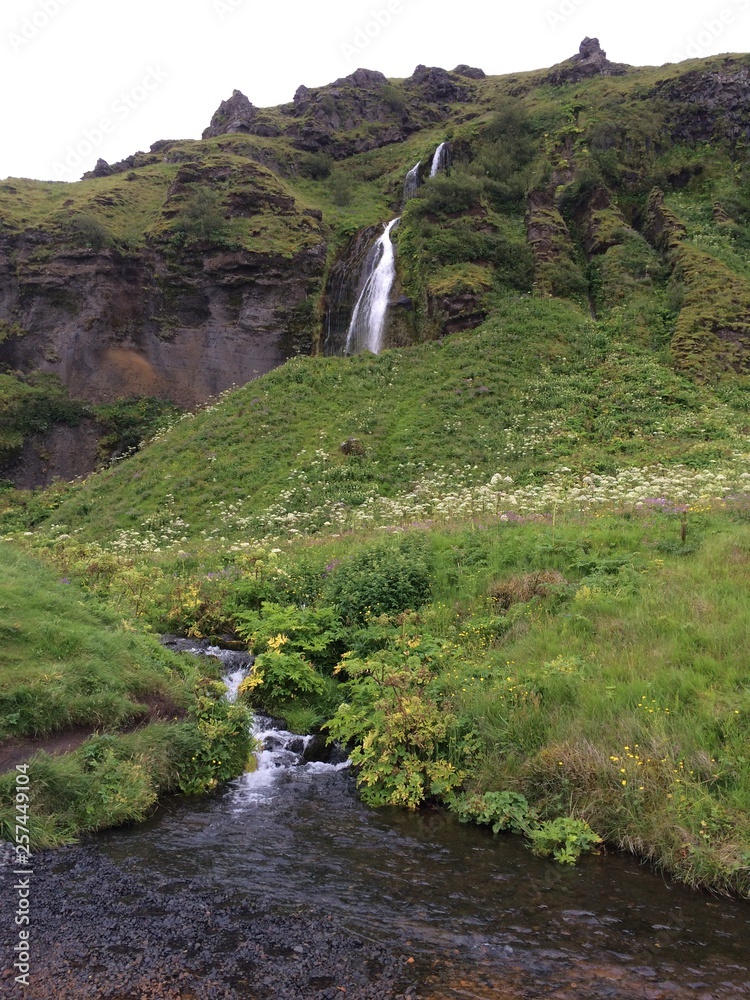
(112, 325)
(177, 280)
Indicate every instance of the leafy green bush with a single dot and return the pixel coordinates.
(501, 810)
(341, 188)
(447, 194)
(315, 632)
(386, 578)
(565, 839)
(128, 422)
(279, 676)
(202, 216)
(393, 96)
(400, 732)
(31, 404)
(87, 231)
(223, 742)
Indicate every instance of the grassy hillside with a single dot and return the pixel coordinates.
(538, 388)
(67, 662)
(506, 561)
(519, 589)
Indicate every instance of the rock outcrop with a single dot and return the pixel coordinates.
(709, 106)
(112, 326)
(235, 115)
(590, 60)
(472, 72)
(435, 84)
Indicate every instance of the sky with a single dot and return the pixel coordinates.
(83, 79)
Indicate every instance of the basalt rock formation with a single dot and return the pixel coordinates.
(590, 60)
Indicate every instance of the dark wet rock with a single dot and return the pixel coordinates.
(144, 934)
(317, 750)
(352, 446)
(437, 84)
(63, 452)
(366, 78)
(709, 106)
(662, 227)
(102, 168)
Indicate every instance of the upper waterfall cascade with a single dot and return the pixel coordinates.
(367, 326)
(412, 182)
(368, 320)
(440, 159)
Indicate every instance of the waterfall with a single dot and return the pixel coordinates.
(440, 159)
(412, 182)
(368, 320)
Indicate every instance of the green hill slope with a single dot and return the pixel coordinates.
(540, 386)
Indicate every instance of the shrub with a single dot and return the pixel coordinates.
(223, 740)
(380, 579)
(501, 810)
(314, 632)
(565, 839)
(316, 166)
(393, 97)
(405, 740)
(202, 216)
(279, 676)
(447, 194)
(86, 231)
(340, 186)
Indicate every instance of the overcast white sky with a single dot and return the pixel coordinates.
(116, 76)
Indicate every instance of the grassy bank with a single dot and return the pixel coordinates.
(158, 721)
(527, 670)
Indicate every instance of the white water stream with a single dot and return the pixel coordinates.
(280, 752)
(412, 182)
(440, 159)
(368, 319)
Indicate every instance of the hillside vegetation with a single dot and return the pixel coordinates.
(504, 561)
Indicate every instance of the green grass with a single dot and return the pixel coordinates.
(68, 662)
(537, 387)
(625, 698)
(108, 781)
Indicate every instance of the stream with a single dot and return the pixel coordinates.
(460, 912)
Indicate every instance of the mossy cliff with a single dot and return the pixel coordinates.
(202, 264)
